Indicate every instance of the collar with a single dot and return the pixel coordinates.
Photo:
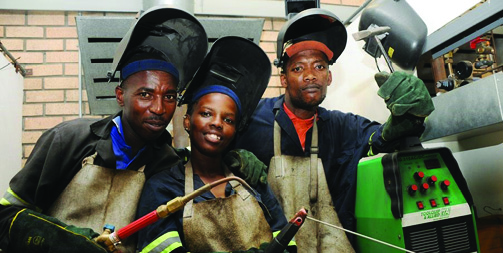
(323, 114)
(103, 128)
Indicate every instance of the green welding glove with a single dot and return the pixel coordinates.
(31, 231)
(408, 100)
(247, 166)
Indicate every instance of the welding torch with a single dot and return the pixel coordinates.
(110, 238)
(280, 242)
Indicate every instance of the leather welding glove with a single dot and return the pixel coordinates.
(247, 166)
(31, 231)
(408, 100)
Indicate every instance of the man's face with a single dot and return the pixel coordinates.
(148, 100)
(306, 79)
(212, 124)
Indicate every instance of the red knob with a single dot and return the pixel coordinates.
(424, 187)
(445, 184)
(419, 175)
(412, 189)
(432, 180)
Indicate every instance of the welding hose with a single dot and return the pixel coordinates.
(164, 211)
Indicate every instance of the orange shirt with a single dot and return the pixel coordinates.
(301, 125)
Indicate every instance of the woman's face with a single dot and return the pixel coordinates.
(212, 123)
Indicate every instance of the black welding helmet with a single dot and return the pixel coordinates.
(236, 67)
(405, 41)
(311, 29)
(168, 35)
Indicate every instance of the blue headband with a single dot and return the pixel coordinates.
(217, 89)
(149, 64)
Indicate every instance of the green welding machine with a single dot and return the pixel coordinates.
(415, 199)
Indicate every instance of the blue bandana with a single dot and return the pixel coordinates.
(217, 89)
(122, 151)
(149, 64)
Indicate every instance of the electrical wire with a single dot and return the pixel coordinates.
(358, 234)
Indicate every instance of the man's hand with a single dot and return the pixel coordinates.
(408, 100)
(246, 165)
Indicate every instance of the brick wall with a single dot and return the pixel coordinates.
(46, 43)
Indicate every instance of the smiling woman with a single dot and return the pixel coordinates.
(221, 96)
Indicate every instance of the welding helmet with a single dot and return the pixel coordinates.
(311, 29)
(166, 35)
(236, 67)
(405, 41)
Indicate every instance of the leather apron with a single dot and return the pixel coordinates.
(223, 224)
(300, 182)
(97, 196)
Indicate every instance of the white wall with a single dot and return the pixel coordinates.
(11, 109)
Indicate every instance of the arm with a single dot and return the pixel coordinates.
(409, 102)
(48, 170)
(165, 234)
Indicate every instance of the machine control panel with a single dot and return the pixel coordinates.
(427, 183)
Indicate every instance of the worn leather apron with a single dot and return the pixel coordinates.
(97, 196)
(223, 224)
(300, 182)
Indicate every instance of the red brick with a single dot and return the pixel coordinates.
(268, 47)
(62, 57)
(71, 69)
(24, 32)
(46, 18)
(271, 56)
(277, 24)
(32, 83)
(44, 45)
(71, 45)
(73, 95)
(41, 123)
(29, 57)
(33, 110)
(61, 83)
(12, 18)
(274, 82)
(330, 1)
(271, 92)
(61, 32)
(44, 96)
(31, 137)
(267, 25)
(352, 2)
(13, 44)
(269, 36)
(61, 108)
(46, 70)
(27, 149)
